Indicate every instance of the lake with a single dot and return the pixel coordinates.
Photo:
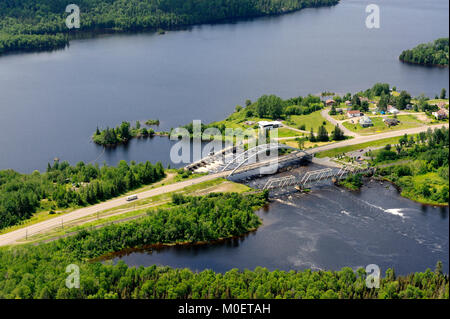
(327, 229)
(51, 103)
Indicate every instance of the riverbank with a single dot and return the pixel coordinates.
(409, 196)
(325, 229)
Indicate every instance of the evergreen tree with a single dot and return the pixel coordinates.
(322, 134)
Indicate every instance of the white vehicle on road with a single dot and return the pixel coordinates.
(132, 197)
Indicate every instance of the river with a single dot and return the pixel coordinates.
(327, 229)
(52, 102)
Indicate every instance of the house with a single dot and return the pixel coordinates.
(265, 125)
(354, 113)
(249, 123)
(392, 109)
(390, 122)
(339, 111)
(330, 102)
(441, 114)
(365, 121)
(348, 103)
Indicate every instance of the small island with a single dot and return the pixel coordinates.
(432, 54)
(121, 134)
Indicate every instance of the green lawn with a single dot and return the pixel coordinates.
(285, 132)
(238, 120)
(406, 121)
(313, 120)
(436, 101)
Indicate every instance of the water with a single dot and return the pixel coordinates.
(328, 229)
(51, 103)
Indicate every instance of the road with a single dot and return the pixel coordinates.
(369, 138)
(330, 119)
(12, 237)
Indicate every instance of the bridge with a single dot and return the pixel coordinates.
(315, 177)
(247, 160)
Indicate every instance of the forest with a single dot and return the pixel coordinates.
(40, 271)
(63, 186)
(433, 53)
(27, 25)
(424, 172)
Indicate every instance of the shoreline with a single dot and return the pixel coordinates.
(157, 30)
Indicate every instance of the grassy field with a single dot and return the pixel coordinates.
(307, 144)
(238, 120)
(406, 122)
(350, 148)
(285, 132)
(313, 120)
(436, 101)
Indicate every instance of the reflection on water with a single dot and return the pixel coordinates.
(329, 228)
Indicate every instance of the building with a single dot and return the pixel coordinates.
(354, 113)
(365, 121)
(392, 109)
(265, 125)
(441, 114)
(348, 103)
(330, 102)
(390, 122)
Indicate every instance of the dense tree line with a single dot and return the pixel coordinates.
(40, 271)
(272, 106)
(428, 153)
(29, 42)
(28, 20)
(63, 185)
(194, 219)
(433, 53)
